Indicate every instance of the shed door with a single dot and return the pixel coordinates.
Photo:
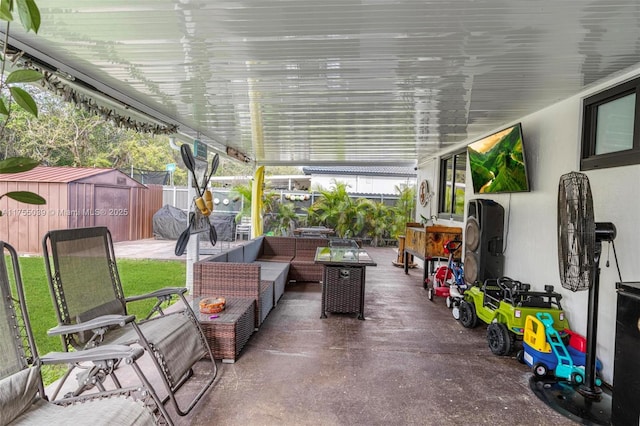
(113, 210)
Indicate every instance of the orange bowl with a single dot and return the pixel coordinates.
(212, 305)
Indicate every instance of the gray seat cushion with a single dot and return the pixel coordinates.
(102, 412)
(276, 272)
(17, 393)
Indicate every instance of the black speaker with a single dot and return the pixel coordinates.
(483, 235)
(625, 409)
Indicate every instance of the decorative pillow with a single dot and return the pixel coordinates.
(17, 393)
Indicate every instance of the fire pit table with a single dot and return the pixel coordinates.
(343, 279)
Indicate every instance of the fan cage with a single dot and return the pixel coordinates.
(576, 232)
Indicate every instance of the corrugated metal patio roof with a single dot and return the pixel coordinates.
(357, 170)
(384, 82)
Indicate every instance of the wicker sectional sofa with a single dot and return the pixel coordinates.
(259, 269)
(303, 268)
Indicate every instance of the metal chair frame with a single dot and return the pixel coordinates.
(71, 330)
(24, 356)
(243, 228)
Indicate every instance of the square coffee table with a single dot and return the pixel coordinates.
(229, 332)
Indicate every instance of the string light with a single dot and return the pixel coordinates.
(54, 84)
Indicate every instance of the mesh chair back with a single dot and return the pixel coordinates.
(17, 347)
(19, 384)
(12, 357)
(22, 395)
(85, 283)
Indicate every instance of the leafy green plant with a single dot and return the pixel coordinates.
(377, 219)
(358, 217)
(285, 219)
(29, 15)
(337, 210)
(244, 191)
(404, 209)
(271, 203)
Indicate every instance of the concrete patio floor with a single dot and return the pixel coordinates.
(409, 363)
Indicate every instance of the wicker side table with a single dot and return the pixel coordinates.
(229, 332)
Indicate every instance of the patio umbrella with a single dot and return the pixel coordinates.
(257, 192)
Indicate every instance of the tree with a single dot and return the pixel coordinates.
(403, 210)
(336, 209)
(285, 219)
(230, 167)
(143, 151)
(244, 191)
(65, 135)
(378, 218)
(11, 84)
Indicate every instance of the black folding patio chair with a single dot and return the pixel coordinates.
(92, 311)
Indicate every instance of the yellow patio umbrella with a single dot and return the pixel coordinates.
(257, 192)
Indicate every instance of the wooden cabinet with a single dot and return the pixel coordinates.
(427, 242)
(415, 241)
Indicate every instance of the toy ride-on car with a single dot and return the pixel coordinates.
(547, 351)
(446, 276)
(504, 304)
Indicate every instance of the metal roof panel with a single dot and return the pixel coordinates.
(361, 170)
(58, 174)
(336, 82)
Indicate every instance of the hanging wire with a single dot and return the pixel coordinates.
(615, 257)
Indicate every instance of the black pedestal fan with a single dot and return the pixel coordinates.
(579, 249)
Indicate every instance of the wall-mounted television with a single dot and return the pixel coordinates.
(497, 162)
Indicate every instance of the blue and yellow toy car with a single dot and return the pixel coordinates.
(546, 352)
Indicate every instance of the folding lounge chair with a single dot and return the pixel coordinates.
(22, 396)
(91, 309)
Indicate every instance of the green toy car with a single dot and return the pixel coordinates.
(504, 304)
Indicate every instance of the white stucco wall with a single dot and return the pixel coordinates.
(552, 147)
(428, 171)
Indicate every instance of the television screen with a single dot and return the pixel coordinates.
(498, 164)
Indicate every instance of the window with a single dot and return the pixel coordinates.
(610, 137)
(453, 170)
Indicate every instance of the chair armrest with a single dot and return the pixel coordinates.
(100, 353)
(167, 291)
(103, 321)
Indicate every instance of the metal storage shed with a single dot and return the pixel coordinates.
(76, 197)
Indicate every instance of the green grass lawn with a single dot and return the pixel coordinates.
(138, 277)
